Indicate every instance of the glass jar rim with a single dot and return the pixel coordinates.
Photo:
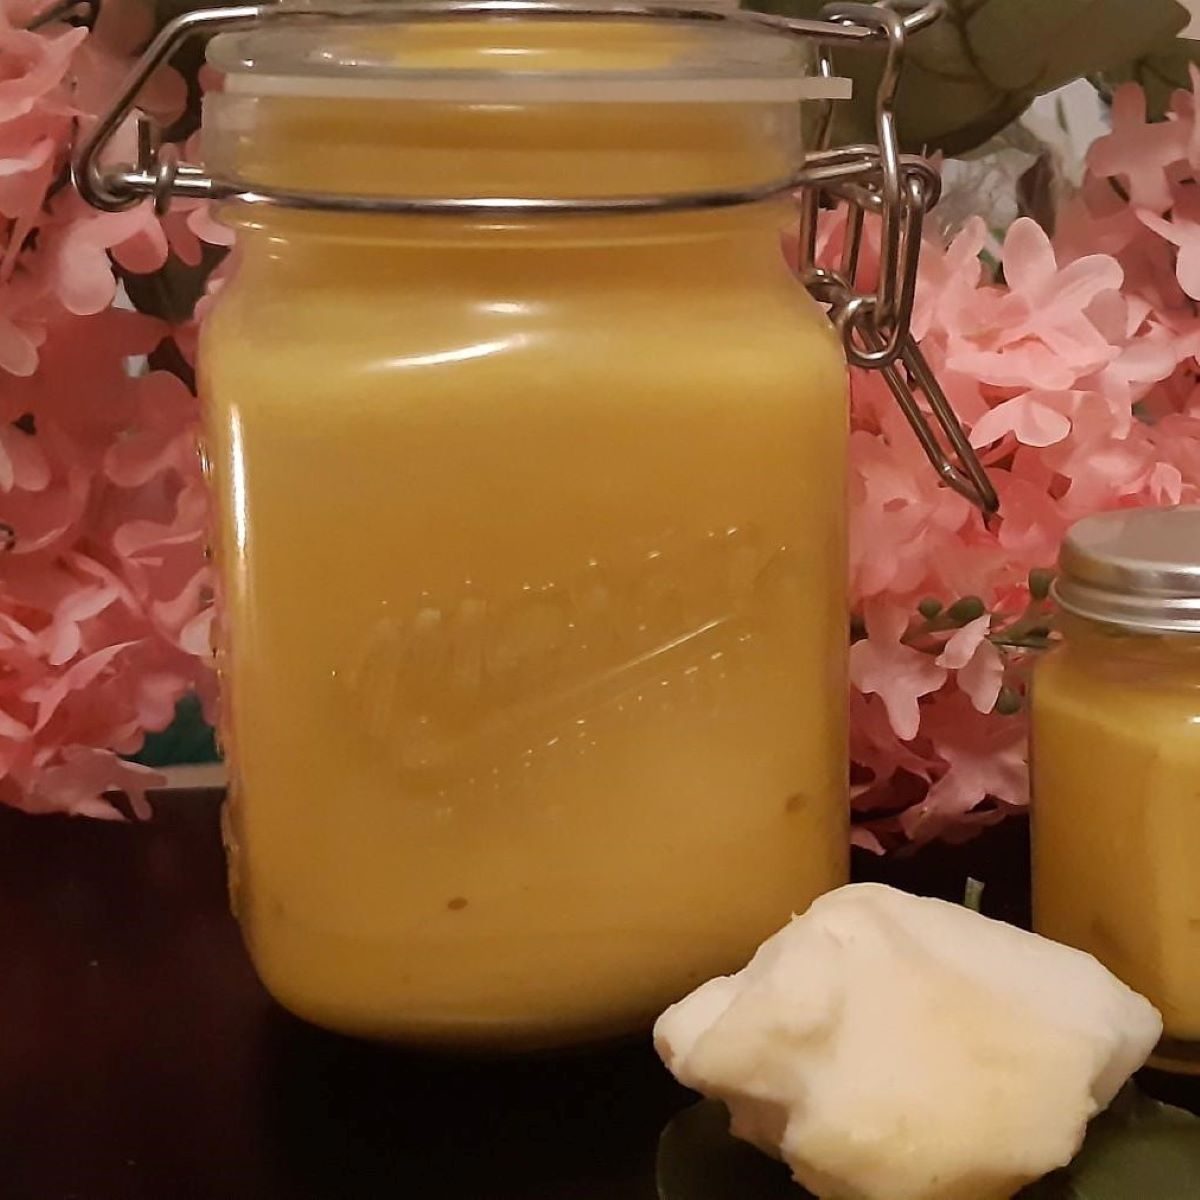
(697, 61)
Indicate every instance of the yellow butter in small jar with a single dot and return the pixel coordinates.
(1116, 762)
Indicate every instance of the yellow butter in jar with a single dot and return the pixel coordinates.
(1116, 761)
(532, 527)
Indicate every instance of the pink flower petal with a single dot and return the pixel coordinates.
(1138, 151)
(899, 675)
(1032, 420)
(78, 785)
(22, 463)
(982, 677)
(50, 693)
(961, 647)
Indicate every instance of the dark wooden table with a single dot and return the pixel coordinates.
(140, 1059)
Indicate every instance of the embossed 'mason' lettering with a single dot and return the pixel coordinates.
(455, 670)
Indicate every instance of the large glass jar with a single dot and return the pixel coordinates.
(1116, 761)
(532, 528)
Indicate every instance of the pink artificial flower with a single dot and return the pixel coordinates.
(1034, 418)
(101, 63)
(902, 520)
(949, 279)
(77, 252)
(48, 693)
(1138, 151)
(1096, 220)
(1102, 469)
(1183, 231)
(22, 462)
(28, 158)
(985, 759)
(1038, 333)
(1163, 484)
(881, 665)
(162, 437)
(100, 623)
(63, 639)
(1149, 353)
(82, 782)
(875, 747)
(1032, 526)
(1076, 376)
(978, 667)
(34, 64)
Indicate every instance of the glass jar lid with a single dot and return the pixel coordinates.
(1138, 568)
(485, 58)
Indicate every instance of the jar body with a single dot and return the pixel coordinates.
(532, 546)
(1116, 779)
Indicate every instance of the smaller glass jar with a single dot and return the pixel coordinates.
(1116, 762)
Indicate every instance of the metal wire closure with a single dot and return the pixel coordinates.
(867, 179)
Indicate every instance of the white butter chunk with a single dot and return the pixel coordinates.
(890, 1047)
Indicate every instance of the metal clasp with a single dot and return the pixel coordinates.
(868, 179)
(876, 327)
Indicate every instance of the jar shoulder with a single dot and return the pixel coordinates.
(1114, 687)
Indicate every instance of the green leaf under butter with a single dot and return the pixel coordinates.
(699, 1159)
(1138, 1150)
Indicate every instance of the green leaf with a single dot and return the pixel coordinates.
(1138, 1150)
(699, 1159)
(1159, 74)
(979, 67)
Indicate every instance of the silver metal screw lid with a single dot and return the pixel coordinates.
(1138, 568)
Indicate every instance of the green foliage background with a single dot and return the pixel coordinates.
(979, 67)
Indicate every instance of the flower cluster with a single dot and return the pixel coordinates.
(103, 581)
(1071, 356)
(1072, 361)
